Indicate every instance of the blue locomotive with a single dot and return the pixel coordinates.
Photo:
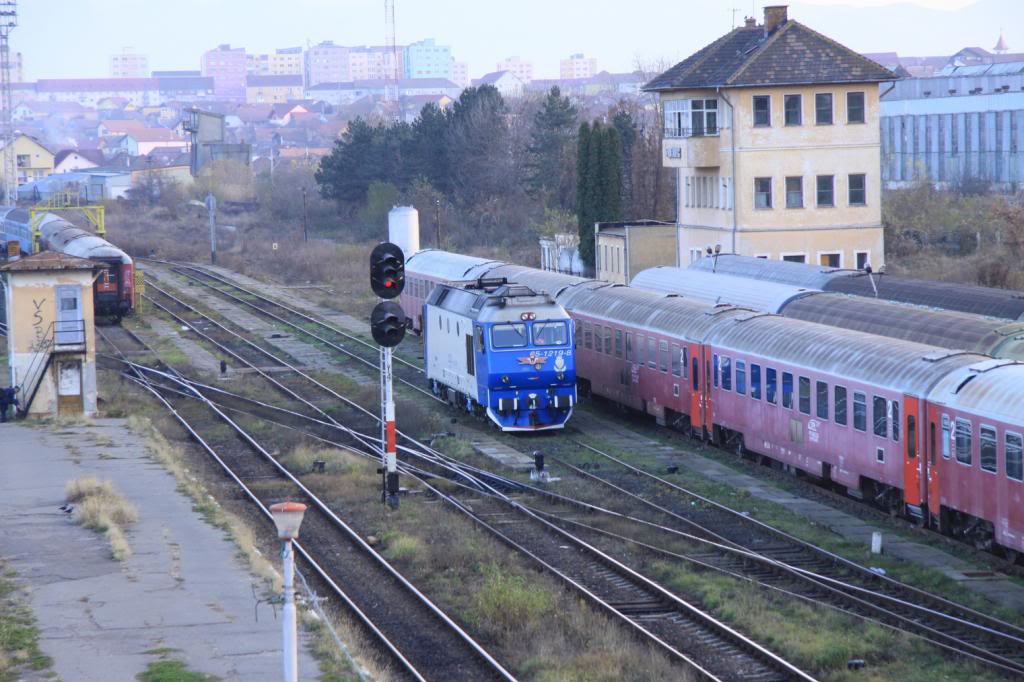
(501, 351)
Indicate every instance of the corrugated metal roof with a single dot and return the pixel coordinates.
(451, 267)
(890, 363)
(711, 287)
(549, 282)
(967, 298)
(992, 389)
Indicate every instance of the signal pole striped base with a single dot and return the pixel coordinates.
(388, 437)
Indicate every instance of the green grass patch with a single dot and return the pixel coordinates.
(19, 636)
(172, 671)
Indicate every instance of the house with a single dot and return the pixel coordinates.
(38, 111)
(67, 160)
(413, 105)
(141, 139)
(89, 91)
(773, 131)
(506, 82)
(93, 185)
(344, 94)
(33, 160)
(623, 249)
(272, 89)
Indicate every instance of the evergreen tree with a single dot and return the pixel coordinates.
(352, 165)
(608, 199)
(583, 179)
(625, 124)
(427, 154)
(548, 166)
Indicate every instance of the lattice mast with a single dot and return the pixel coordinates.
(391, 89)
(8, 20)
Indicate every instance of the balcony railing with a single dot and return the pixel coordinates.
(672, 132)
(68, 335)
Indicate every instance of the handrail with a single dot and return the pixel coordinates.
(61, 335)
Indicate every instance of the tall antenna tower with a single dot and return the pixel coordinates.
(391, 89)
(8, 20)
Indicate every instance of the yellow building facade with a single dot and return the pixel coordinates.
(276, 89)
(773, 132)
(32, 159)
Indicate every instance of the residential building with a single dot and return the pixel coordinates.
(460, 74)
(186, 88)
(427, 59)
(577, 66)
(17, 68)
(326, 63)
(773, 131)
(272, 89)
(285, 62)
(33, 160)
(129, 65)
(181, 73)
(412, 105)
(226, 65)
(257, 64)
(561, 253)
(375, 63)
(962, 124)
(135, 138)
(38, 111)
(506, 82)
(520, 68)
(67, 160)
(344, 94)
(621, 250)
(89, 91)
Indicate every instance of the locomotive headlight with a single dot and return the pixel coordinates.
(560, 375)
(504, 379)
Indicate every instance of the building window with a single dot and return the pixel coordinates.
(826, 191)
(762, 110)
(794, 257)
(823, 108)
(792, 106)
(704, 117)
(858, 189)
(863, 258)
(855, 107)
(762, 192)
(794, 192)
(831, 260)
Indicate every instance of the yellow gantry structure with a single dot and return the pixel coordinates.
(64, 201)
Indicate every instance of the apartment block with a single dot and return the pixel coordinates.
(427, 59)
(773, 131)
(577, 66)
(227, 66)
(520, 68)
(126, 65)
(326, 63)
(376, 62)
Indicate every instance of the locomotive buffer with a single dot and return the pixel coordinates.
(387, 324)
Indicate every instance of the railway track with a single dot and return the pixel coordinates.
(945, 623)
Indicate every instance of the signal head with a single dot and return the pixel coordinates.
(387, 324)
(387, 270)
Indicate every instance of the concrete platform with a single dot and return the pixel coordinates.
(996, 587)
(184, 588)
(502, 454)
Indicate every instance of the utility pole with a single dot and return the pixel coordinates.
(437, 220)
(305, 221)
(211, 208)
(8, 20)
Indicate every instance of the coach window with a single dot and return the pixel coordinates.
(608, 340)
(629, 346)
(755, 381)
(947, 436)
(821, 389)
(771, 385)
(895, 420)
(726, 374)
(618, 343)
(988, 449)
(1014, 456)
(588, 331)
(664, 356)
(879, 416)
(597, 338)
(715, 369)
(741, 377)
(508, 335)
(640, 350)
(963, 441)
(652, 352)
(840, 405)
(911, 436)
(787, 390)
(805, 395)
(677, 361)
(860, 411)
(686, 355)
(696, 374)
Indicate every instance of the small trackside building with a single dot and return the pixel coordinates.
(773, 132)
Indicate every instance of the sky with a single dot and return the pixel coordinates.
(75, 38)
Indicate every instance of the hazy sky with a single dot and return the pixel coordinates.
(74, 38)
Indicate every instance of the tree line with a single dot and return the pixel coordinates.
(499, 173)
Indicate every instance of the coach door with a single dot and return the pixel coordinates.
(705, 393)
(938, 450)
(913, 458)
(696, 386)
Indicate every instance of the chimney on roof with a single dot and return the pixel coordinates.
(774, 16)
(749, 22)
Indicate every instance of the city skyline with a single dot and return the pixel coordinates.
(554, 31)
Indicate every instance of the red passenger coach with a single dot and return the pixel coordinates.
(424, 270)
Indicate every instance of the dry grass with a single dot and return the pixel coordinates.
(100, 507)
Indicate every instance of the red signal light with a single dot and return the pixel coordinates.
(389, 284)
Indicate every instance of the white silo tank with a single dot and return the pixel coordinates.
(404, 229)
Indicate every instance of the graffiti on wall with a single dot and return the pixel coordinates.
(40, 340)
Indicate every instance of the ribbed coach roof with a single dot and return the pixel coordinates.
(891, 363)
(63, 236)
(994, 391)
(451, 267)
(765, 270)
(716, 287)
(539, 280)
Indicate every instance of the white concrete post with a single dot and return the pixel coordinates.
(291, 642)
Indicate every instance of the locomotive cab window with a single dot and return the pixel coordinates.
(508, 335)
(988, 449)
(963, 441)
(550, 333)
(741, 377)
(1014, 456)
(480, 339)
